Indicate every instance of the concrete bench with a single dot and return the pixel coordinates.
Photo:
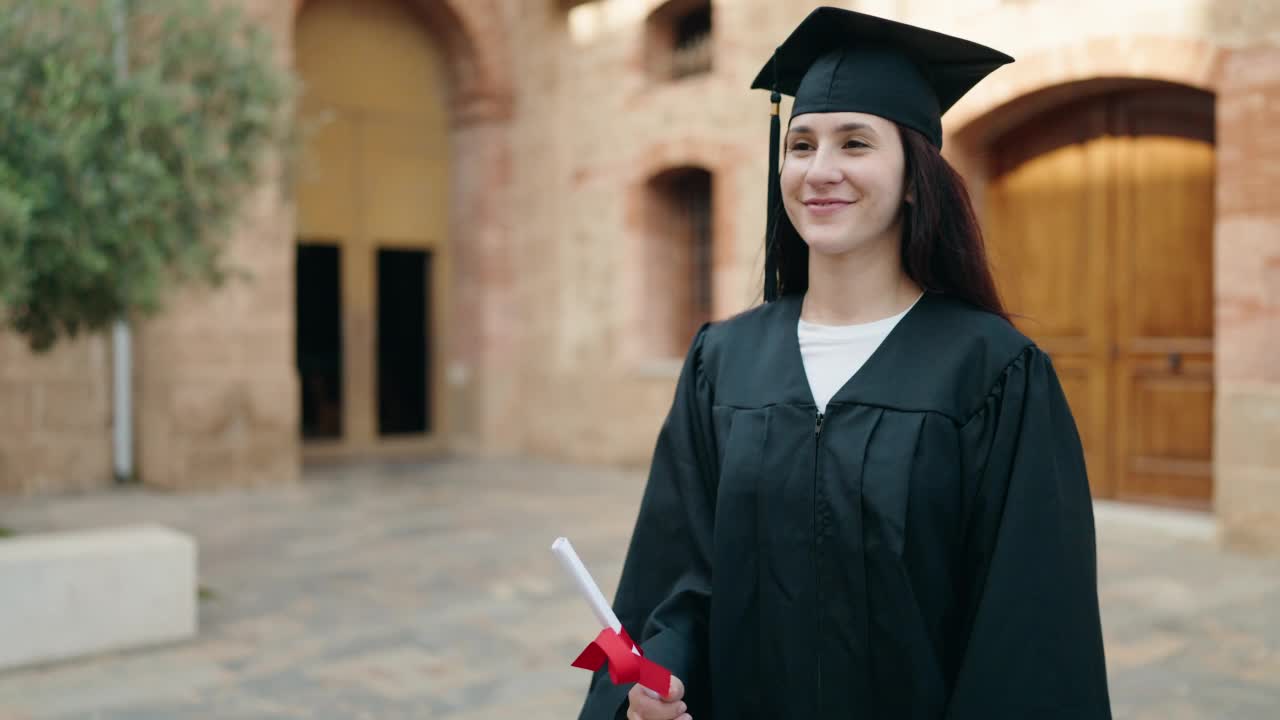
(64, 595)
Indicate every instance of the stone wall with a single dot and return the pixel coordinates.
(217, 390)
(597, 130)
(1247, 443)
(55, 416)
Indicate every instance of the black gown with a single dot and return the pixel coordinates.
(924, 549)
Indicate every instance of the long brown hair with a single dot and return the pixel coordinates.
(942, 247)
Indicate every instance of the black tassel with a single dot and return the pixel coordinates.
(775, 195)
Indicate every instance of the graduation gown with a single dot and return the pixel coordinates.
(923, 549)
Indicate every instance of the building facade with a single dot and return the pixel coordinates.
(511, 215)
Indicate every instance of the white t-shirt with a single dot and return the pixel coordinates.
(833, 353)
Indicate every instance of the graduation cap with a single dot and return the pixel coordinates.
(844, 61)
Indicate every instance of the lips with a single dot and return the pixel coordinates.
(827, 206)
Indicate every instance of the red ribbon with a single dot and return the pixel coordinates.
(624, 665)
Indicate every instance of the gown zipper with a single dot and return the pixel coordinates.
(817, 565)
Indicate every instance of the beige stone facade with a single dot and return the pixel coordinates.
(557, 124)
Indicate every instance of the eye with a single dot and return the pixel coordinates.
(800, 145)
(856, 144)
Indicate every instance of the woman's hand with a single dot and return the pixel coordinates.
(644, 707)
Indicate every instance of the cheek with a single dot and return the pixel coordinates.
(790, 181)
(790, 178)
(884, 185)
(896, 180)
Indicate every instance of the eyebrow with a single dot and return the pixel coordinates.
(847, 127)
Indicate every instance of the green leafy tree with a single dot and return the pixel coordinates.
(115, 186)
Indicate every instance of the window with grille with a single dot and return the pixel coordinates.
(678, 272)
(679, 39)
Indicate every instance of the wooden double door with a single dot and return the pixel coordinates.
(1099, 220)
(372, 225)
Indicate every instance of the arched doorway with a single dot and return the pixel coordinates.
(373, 199)
(1099, 214)
(678, 264)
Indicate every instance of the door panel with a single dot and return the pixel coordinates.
(1169, 457)
(1046, 233)
(1163, 375)
(326, 204)
(404, 176)
(1099, 221)
(1165, 209)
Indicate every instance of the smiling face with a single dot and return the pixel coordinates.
(842, 181)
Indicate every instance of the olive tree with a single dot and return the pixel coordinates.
(129, 134)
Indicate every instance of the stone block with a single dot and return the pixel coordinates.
(201, 466)
(271, 459)
(1248, 426)
(273, 404)
(10, 481)
(1247, 247)
(214, 411)
(71, 594)
(1248, 507)
(15, 406)
(72, 405)
(39, 462)
(187, 354)
(1247, 148)
(1247, 465)
(1251, 68)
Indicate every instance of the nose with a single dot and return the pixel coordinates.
(822, 169)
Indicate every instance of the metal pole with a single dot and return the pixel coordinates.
(122, 361)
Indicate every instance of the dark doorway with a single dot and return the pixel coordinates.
(404, 293)
(319, 339)
(680, 220)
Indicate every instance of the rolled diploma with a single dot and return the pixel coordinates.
(587, 586)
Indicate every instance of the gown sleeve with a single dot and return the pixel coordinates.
(1030, 594)
(664, 594)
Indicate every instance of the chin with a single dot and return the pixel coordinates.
(826, 244)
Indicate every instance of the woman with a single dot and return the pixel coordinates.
(869, 499)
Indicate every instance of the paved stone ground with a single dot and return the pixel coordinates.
(428, 591)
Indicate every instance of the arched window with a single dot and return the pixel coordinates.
(678, 39)
(678, 259)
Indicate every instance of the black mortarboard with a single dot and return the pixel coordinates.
(844, 61)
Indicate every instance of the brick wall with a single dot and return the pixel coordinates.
(1247, 260)
(217, 389)
(597, 131)
(55, 431)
